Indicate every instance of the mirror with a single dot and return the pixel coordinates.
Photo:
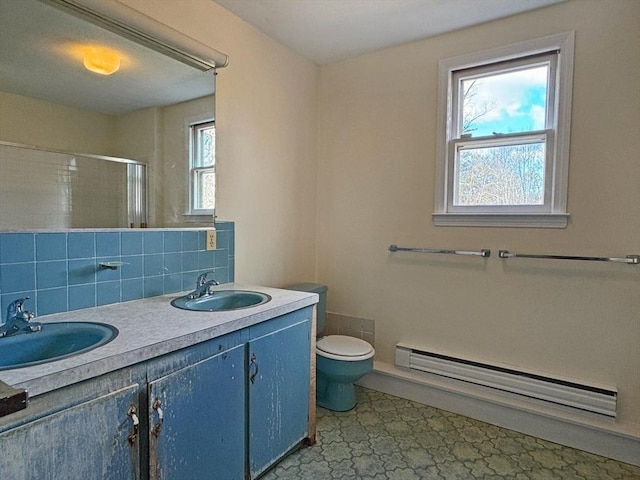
(78, 149)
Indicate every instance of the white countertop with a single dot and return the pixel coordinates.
(147, 328)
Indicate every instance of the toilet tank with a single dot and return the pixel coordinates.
(321, 290)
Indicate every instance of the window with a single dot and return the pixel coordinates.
(202, 168)
(503, 141)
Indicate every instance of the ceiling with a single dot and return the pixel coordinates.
(327, 31)
(35, 38)
(40, 57)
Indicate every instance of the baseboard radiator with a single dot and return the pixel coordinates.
(568, 393)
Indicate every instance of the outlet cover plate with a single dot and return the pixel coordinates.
(211, 239)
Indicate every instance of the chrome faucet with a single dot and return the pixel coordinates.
(19, 320)
(203, 287)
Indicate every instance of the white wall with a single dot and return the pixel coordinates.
(377, 136)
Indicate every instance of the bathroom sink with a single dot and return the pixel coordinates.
(222, 300)
(53, 342)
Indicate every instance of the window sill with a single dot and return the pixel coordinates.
(544, 220)
(198, 217)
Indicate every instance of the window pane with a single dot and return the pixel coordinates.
(206, 194)
(501, 175)
(508, 102)
(205, 146)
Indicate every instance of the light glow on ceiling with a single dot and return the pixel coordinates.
(101, 60)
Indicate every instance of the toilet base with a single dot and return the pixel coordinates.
(334, 382)
(334, 396)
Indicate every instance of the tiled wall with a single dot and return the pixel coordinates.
(65, 190)
(60, 271)
(336, 324)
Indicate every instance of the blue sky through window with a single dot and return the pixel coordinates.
(509, 102)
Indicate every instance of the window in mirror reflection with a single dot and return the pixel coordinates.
(202, 167)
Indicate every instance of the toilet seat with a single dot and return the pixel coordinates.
(342, 347)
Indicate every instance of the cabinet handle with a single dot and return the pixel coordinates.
(253, 364)
(133, 436)
(156, 406)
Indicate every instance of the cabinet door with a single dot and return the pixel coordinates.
(96, 439)
(278, 394)
(197, 421)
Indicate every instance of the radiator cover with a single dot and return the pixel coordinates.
(563, 392)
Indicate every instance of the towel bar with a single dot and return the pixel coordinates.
(485, 252)
(629, 259)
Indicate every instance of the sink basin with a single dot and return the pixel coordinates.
(53, 342)
(222, 300)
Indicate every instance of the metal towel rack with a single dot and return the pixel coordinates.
(485, 252)
(629, 259)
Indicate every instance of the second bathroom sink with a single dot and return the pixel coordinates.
(222, 300)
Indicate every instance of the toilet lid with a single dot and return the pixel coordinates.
(344, 346)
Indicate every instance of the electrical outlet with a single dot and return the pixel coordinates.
(211, 239)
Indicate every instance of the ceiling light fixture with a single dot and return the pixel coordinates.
(101, 60)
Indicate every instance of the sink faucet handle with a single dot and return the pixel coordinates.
(18, 319)
(16, 310)
(15, 307)
(202, 279)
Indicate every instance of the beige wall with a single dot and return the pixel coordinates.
(43, 124)
(173, 192)
(375, 165)
(377, 136)
(266, 126)
(138, 135)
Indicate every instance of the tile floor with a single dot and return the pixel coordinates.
(387, 437)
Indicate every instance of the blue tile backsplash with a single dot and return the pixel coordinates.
(60, 271)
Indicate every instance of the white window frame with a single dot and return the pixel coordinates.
(554, 212)
(193, 123)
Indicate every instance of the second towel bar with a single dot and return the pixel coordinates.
(485, 252)
(629, 259)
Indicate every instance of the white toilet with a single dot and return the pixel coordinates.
(340, 360)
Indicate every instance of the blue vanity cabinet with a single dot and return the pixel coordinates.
(227, 408)
(98, 438)
(279, 382)
(197, 420)
(235, 413)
